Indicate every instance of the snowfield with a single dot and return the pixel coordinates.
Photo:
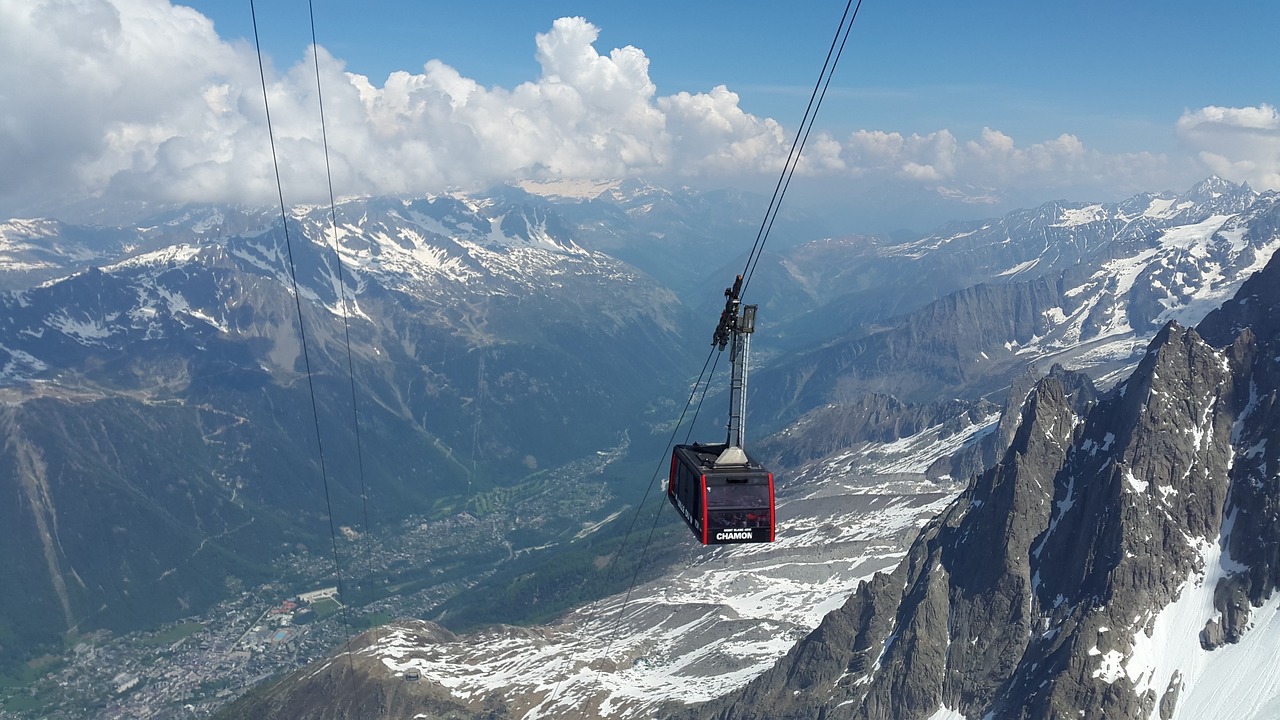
(699, 633)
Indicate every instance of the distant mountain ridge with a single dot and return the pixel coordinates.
(1085, 285)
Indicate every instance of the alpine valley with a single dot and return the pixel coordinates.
(1022, 463)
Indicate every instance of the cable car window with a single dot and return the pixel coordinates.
(740, 518)
(737, 496)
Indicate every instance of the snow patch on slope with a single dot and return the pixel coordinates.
(1070, 217)
(1240, 681)
(1236, 681)
(695, 635)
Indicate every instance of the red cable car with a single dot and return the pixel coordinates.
(723, 501)
(723, 494)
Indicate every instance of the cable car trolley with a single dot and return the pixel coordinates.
(722, 493)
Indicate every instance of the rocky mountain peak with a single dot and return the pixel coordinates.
(1214, 187)
(1104, 568)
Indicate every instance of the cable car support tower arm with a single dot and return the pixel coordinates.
(734, 330)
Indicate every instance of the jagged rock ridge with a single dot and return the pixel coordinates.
(1100, 570)
(1083, 285)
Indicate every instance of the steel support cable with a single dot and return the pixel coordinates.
(591, 616)
(791, 154)
(644, 552)
(302, 330)
(819, 93)
(342, 290)
(698, 409)
(784, 181)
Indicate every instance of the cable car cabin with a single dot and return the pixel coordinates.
(725, 503)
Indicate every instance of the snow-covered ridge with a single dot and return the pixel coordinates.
(1080, 216)
(20, 229)
(690, 637)
(446, 252)
(708, 628)
(36, 245)
(1150, 261)
(569, 189)
(1181, 274)
(1060, 234)
(174, 255)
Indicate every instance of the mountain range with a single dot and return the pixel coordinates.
(880, 395)
(1118, 562)
(167, 430)
(496, 338)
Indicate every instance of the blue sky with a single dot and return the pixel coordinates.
(937, 107)
(1116, 74)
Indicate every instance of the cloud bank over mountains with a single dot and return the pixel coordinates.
(1236, 143)
(129, 100)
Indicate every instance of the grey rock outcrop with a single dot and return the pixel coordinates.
(976, 457)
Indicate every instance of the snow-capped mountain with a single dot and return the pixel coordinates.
(1085, 286)
(169, 385)
(35, 250)
(447, 253)
(498, 335)
(476, 274)
(1164, 249)
(1119, 562)
(458, 311)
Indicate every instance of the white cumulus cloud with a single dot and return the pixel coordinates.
(142, 100)
(1239, 144)
(92, 88)
(994, 161)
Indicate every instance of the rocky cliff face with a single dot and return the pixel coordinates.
(1005, 603)
(1102, 569)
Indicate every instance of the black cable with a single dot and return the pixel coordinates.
(635, 516)
(346, 325)
(698, 409)
(802, 136)
(762, 232)
(784, 181)
(644, 552)
(302, 331)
